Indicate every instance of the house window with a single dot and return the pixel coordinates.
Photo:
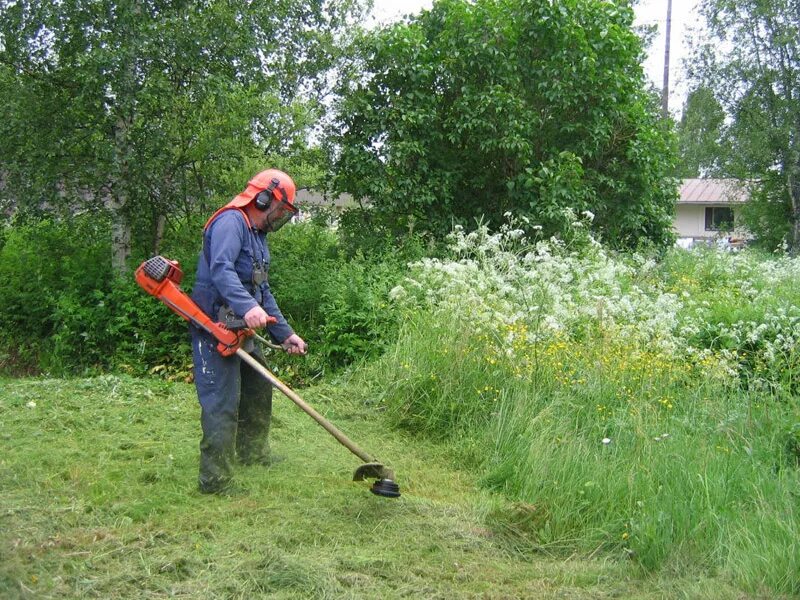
(719, 218)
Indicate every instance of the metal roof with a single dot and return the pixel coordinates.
(306, 197)
(713, 191)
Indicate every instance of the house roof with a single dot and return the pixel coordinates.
(306, 197)
(713, 191)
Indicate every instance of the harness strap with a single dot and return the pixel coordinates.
(259, 275)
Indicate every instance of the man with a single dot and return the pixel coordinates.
(232, 271)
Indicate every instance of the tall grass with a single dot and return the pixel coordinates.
(627, 405)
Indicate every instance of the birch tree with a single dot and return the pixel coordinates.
(140, 109)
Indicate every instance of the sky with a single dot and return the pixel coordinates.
(648, 12)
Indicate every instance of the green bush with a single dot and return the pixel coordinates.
(304, 257)
(119, 328)
(359, 320)
(41, 261)
(336, 302)
(66, 312)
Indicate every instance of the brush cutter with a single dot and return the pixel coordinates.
(160, 277)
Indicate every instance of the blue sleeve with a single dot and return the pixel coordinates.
(225, 239)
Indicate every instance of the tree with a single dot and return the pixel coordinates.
(751, 60)
(144, 108)
(700, 135)
(477, 108)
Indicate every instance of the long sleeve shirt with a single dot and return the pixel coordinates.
(232, 253)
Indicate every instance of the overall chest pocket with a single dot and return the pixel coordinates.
(244, 265)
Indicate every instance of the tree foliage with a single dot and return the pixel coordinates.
(751, 60)
(477, 108)
(699, 135)
(145, 107)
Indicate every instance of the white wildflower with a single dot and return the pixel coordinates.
(397, 293)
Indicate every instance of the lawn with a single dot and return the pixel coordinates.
(98, 500)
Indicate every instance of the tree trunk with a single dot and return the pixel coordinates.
(161, 222)
(792, 172)
(120, 224)
(120, 236)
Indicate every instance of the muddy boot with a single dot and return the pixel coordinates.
(227, 488)
(216, 462)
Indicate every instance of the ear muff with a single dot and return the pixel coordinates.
(264, 198)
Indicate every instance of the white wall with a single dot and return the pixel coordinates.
(690, 222)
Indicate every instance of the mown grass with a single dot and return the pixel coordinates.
(98, 500)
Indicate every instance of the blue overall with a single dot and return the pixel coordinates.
(236, 401)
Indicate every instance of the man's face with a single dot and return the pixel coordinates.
(258, 218)
(279, 211)
(272, 219)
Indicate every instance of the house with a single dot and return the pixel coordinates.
(708, 210)
(310, 201)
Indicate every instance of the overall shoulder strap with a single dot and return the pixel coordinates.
(222, 210)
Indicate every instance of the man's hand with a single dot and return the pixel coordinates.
(257, 317)
(294, 344)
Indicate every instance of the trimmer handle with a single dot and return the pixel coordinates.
(228, 318)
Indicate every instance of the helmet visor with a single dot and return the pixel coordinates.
(279, 213)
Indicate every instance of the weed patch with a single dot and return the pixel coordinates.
(617, 413)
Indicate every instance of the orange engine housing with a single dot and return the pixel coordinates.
(159, 277)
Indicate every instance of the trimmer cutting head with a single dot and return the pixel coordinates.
(385, 486)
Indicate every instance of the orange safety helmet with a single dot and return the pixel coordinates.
(271, 190)
(273, 184)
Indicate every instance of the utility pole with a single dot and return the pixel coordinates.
(665, 88)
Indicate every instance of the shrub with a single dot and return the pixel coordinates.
(338, 303)
(57, 287)
(304, 257)
(40, 261)
(359, 320)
